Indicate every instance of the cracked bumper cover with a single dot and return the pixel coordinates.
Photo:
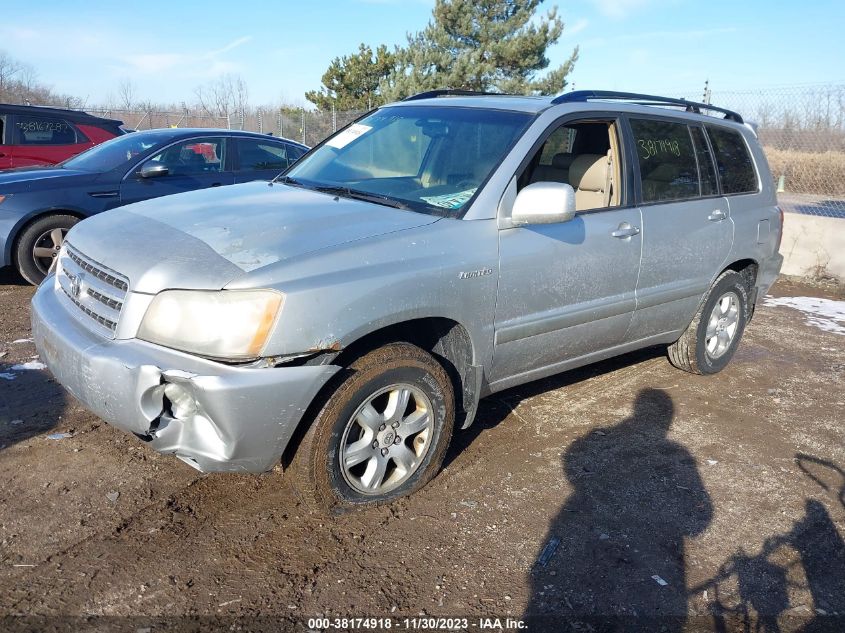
(240, 419)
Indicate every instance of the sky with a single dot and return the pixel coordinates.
(282, 48)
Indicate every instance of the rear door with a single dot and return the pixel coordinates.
(5, 149)
(44, 140)
(687, 229)
(196, 163)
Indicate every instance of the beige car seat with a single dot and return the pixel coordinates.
(589, 175)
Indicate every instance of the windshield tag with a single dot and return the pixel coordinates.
(451, 200)
(348, 135)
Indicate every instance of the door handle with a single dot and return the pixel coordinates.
(625, 230)
(717, 216)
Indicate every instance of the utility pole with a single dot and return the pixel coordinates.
(705, 98)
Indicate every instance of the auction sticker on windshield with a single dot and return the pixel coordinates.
(348, 135)
(451, 200)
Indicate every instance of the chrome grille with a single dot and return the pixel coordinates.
(94, 291)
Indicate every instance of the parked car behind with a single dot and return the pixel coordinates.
(35, 135)
(343, 320)
(39, 205)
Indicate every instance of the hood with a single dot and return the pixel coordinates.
(27, 178)
(205, 239)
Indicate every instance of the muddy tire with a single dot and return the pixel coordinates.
(380, 435)
(39, 244)
(709, 343)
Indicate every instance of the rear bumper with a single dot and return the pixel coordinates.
(214, 416)
(767, 275)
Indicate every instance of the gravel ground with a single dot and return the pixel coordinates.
(624, 496)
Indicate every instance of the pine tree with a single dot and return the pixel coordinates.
(352, 82)
(486, 45)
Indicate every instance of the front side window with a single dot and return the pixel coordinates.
(425, 158)
(33, 130)
(667, 160)
(113, 153)
(254, 155)
(193, 157)
(736, 169)
(584, 155)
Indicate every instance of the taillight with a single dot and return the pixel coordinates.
(780, 230)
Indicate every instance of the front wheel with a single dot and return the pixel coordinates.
(709, 343)
(381, 435)
(39, 244)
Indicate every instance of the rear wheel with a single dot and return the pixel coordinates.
(709, 343)
(39, 244)
(381, 435)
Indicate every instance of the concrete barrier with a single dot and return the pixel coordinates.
(813, 245)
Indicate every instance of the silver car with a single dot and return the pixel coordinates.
(343, 320)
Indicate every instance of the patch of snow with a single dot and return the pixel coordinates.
(33, 364)
(7, 375)
(22, 340)
(825, 314)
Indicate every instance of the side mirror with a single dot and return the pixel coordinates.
(544, 203)
(153, 170)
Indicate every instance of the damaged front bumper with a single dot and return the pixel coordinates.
(214, 416)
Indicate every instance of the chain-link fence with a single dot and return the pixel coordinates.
(802, 130)
(304, 126)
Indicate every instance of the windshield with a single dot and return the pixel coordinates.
(429, 159)
(114, 152)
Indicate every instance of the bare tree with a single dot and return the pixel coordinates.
(226, 95)
(126, 94)
(10, 68)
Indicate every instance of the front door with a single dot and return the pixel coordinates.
(567, 290)
(192, 164)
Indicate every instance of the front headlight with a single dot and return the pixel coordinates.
(225, 324)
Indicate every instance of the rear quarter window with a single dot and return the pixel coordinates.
(735, 167)
(33, 130)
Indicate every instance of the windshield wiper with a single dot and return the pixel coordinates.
(287, 180)
(376, 198)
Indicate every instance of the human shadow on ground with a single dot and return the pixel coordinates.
(614, 554)
(810, 556)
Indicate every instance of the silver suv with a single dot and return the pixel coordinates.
(344, 319)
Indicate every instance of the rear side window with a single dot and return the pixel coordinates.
(667, 160)
(2, 130)
(33, 130)
(294, 152)
(256, 155)
(736, 169)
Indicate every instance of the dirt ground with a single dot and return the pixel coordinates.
(624, 496)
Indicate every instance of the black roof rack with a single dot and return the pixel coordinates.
(431, 94)
(641, 99)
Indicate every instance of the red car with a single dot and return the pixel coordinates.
(34, 135)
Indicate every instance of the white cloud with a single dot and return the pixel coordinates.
(575, 28)
(620, 8)
(200, 64)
